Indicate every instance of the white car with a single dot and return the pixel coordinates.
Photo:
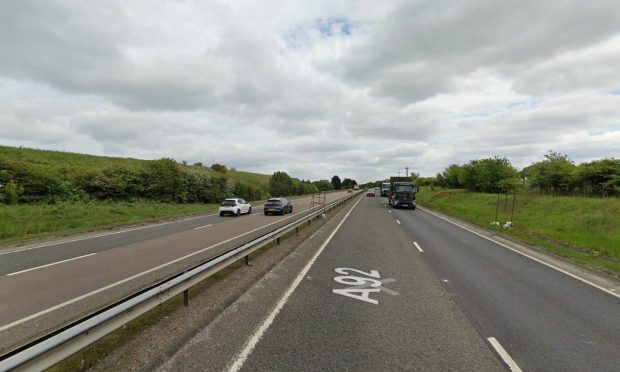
(235, 206)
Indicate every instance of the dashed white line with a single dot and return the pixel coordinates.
(50, 264)
(202, 227)
(418, 246)
(505, 356)
(398, 222)
(260, 331)
(389, 211)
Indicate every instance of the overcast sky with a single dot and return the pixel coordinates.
(360, 88)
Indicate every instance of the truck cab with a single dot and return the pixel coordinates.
(402, 193)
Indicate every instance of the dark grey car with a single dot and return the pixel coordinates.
(278, 205)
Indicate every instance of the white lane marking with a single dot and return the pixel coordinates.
(202, 227)
(389, 211)
(527, 255)
(258, 333)
(398, 222)
(254, 214)
(50, 264)
(418, 246)
(2, 328)
(105, 234)
(504, 354)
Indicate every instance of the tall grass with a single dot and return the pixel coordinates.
(584, 228)
(20, 222)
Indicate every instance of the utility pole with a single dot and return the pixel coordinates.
(406, 171)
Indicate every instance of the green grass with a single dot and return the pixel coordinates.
(21, 222)
(584, 229)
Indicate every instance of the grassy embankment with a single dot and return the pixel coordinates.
(19, 223)
(583, 229)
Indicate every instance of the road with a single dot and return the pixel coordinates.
(48, 285)
(447, 299)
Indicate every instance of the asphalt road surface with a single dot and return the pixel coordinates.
(47, 285)
(406, 290)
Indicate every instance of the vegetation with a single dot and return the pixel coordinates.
(281, 184)
(555, 175)
(30, 176)
(336, 182)
(65, 218)
(585, 229)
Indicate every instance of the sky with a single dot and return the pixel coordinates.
(361, 89)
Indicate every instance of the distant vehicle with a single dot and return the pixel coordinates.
(356, 187)
(349, 191)
(370, 193)
(235, 206)
(385, 188)
(278, 205)
(402, 192)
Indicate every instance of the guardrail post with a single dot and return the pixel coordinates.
(186, 297)
(277, 241)
(297, 231)
(247, 260)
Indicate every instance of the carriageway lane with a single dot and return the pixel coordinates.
(52, 295)
(546, 320)
(410, 322)
(15, 260)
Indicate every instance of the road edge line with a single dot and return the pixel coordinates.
(260, 331)
(526, 255)
(504, 354)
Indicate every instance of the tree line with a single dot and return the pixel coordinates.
(162, 180)
(555, 174)
(281, 184)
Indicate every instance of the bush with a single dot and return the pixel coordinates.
(11, 193)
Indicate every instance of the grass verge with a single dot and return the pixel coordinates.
(19, 223)
(586, 230)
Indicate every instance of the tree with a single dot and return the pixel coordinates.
(489, 175)
(281, 184)
(336, 183)
(452, 176)
(323, 185)
(553, 174)
(219, 168)
(348, 183)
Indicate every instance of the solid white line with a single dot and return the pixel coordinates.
(527, 255)
(50, 264)
(7, 326)
(105, 234)
(398, 222)
(418, 246)
(258, 333)
(202, 227)
(505, 356)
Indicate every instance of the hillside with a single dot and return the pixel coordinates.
(43, 176)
